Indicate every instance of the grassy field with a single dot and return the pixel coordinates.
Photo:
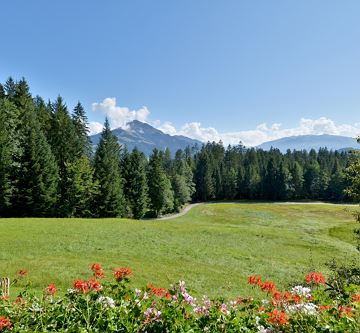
(214, 247)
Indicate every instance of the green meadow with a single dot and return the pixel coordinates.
(214, 247)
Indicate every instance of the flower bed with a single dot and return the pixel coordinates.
(95, 306)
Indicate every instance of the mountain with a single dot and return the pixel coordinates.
(308, 142)
(146, 138)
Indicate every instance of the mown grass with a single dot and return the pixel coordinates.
(214, 247)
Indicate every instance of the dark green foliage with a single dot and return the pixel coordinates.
(38, 173)
(10, 151)
(161, 199)
(2, 91)
(239, 173)
(135, 183)
(10, 88)
(42, 147)
(44, 115)
(81, 188)
(109, 201)
(82, 130)
(181, 180)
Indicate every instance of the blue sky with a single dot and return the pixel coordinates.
(232, 70)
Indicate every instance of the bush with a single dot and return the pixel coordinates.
(96, 306)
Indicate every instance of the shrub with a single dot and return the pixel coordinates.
(94, 305)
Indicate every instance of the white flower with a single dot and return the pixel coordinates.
(307, 309)
(106, 301)
(301, 291)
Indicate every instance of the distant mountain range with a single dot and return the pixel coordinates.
(146, 138)
(308, 142)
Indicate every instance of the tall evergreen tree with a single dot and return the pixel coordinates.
(160, 192)
(205, 188)
(10, 152)
(38, 176)
(82, 189)
(10, 88)
(135, 183)
(110, 201)
(82, 130)
(63, 140)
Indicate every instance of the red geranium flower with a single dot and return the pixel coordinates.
(346, 311)
(4, 323)
(122, 273)
(51, 289)
(94, 284)
(254, 279)
(277, 317)
(355, 297)
(268, 286)
(20, 301)
(325, 307)
(97, 270)
(160, 292)
(22, 272)
(81, 286)
(316, 278)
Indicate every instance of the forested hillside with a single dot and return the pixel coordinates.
(48, 168)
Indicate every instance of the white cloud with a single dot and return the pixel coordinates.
(263, 132)
(119, 116)
(166, 127)
(95, 127)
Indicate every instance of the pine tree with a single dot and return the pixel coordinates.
(44, 115)
(38, 176)
(63, 141)
(110, 201)
(10, 152)
(297, 181)
(2, 91)
(181, 180)
(205, 188)
(81, 188)
(135, 183)
(82, 131)
(10, 88)
(336, 187)
(160, 193)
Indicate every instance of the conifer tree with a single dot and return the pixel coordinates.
(160, 193)
(10, 152)
(44, 115)
(82, 130)
(63, 140)
(110, 201)
(297, 181)
(135, 183)
(2, 91)
(10, 88)
(81, 188)
(38, 176)
(205, 187)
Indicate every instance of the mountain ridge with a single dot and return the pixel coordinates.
(146, 137)
(308, 142)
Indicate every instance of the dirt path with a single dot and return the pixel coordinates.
(191, 206)
(174, 216)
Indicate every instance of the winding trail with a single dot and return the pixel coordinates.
(191, 206)
(174, 216)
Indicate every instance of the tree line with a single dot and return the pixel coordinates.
(48, 167)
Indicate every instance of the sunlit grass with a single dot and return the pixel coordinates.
(213, 247)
